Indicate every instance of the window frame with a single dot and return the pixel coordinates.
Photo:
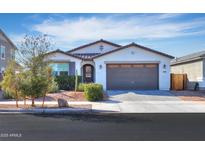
(58, 72)
(2, 46)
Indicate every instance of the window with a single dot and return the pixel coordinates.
(2, 50)
(60, 68)
(126, 66)
(54, 73)
(150, 65)
(113, 66)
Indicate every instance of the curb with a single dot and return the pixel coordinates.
(46, 111)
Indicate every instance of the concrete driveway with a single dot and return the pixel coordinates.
(150, 102)
(146, 95)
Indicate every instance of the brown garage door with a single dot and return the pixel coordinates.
(132, 76)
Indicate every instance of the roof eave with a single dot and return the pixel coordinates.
(186, 61)
(136, 45)
(1, 31)
(155, 51)
(92, 43)
(60, 51)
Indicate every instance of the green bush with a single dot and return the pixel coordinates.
(7, 95)
(53, 87)
(81, 86)
(93, 92)
(66, 82)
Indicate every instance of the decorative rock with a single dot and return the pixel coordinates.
(62, 103)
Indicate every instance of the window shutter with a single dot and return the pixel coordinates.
(71, 68)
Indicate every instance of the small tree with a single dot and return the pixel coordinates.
(34, 86)
(25, 86)
(11, 81)
(48, 83)
(32, 51)
(31, 55)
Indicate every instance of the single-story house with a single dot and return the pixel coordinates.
(194, 66)
(116, 67)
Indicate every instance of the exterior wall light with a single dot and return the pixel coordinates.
(100, 66)
(164, 66)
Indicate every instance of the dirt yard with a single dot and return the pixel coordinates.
(70, 96)
(190, 95)
(67, 95)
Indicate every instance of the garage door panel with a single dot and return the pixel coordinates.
(132, 76)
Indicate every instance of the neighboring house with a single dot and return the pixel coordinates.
(7, 51)
(116, 67)
(194, 66)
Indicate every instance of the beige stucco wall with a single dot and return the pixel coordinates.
(194, 70)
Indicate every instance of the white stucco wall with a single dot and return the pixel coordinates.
(60, 57)
(95, 48)
(134, 55)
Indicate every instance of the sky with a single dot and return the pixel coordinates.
(174, 34)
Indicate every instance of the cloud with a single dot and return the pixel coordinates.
(67, 32)
(170, 15)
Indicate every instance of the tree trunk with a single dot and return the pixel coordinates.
(17, 103)
(33, 103)
(24, 101)
(43, 100)
(17, 99)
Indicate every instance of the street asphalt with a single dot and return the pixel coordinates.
(106, 127)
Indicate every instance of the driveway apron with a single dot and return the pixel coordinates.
(151, 101)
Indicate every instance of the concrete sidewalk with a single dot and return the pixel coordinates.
(133, 106)
(95, 106)
(39, 110)
(162, 107)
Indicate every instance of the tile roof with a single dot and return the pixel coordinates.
(60, 51)
(90, 56)
(86, 55)
(86, 45)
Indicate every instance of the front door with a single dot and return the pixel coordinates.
(88, 73)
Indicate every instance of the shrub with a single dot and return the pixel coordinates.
(81, 86)
(53, 87)
(7, 95)
(66, 82)
(10, 82)
(93, 92)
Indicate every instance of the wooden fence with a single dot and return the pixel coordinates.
(178, 81)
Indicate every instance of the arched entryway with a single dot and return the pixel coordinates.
(88, 73)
